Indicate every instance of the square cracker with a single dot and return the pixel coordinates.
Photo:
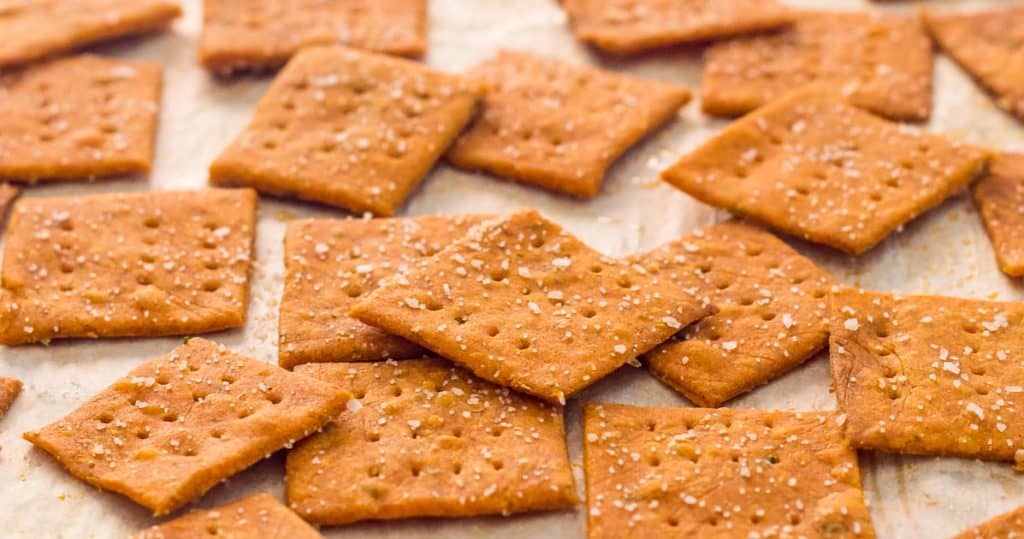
(1009, 525)
(177, 425)
(634, 26)
(105, 127)
(264, 34)
(772, 311)
(1000, 197)
(259, 516)
(882, 63)
(349, 129)
(523, 303)
(695, 473)
(10, 388)
(426, 438)
(331, 263)
(987, 45)
(558, 125)
(33, 29)
(812, 165)
(127, 265)
(928, 375)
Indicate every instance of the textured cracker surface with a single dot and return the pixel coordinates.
(999, 197)
(259, 516)
(10, 388)
(1009, 525)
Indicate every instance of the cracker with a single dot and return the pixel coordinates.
(882, 63)
(812, 165)
(8, 193)
(523, 303)
(1000, 197)
(127, 265)
(987, 45)
(331, 263)
(557, 125)
(259, 516)
(104, 128)
(33, 29)
(264, 34)
(692, 472)
(635, 26)
(349, 129)
(426, 438)
(10, 388)
(177, 425)
(928, 375)
(772, 311)
(1009, 525)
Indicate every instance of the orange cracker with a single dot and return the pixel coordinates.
(812, 165)
(772, 311)
(634, 26)
(331, 264)
(8, 193)
(523, 303)
(33, 29)
(350, 129)
(558, 125)
(127, 265)
(426, 438)
(882, 63)
(177, 425)
(928, 375)
(259, 516)
(10, 388)
(987, 45)
(697, 473)
(105, 127)
(1009, 525)
(1000, 197)
(264, 34)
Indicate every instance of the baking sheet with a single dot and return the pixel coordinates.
(944, 252)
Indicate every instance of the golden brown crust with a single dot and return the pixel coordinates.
(1000, 197)
(1009, 525)
(259, 516)
(10, 388)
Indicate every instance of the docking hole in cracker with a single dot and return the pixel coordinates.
(259, 516)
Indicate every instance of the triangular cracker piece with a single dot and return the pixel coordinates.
(558, 125)
(523, 303)
(331, 263)
(105, 127)
(692, 472)
(177, 425)
(1009, 525)
(772, 311)
(812, 165)
(32, 29)
(349, 129)
(259, 516)
(426, 438)
(882, 63)
(929, 375)
(10, 388)
(987, 45)
(264, 34)
(1000, 197)
(634, 26)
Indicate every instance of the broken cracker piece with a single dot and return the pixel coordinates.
(127, 265)
(812, 165)
(523, 303)
(772, 311)
(999, 197)
(177, 425)
(10, 388)
(881, 63)
(928, 375)
(349, 129)
(559, 126)
(331, 263)
(1009, 525)
(694, 473)
(264, 34)
(259, 516)
(635, 26)
(106, 127)
(426, 438)
(8, 193)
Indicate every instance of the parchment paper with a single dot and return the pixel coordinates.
(944, 252)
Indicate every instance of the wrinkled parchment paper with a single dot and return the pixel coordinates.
(944, 252)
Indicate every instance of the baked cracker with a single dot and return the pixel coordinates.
(1000, 197)
(812, 165)
(694, 473)
(259, 516)
(177, 425)
(127, 265)
(560, 126)
(1009, 525)
(772, 311)
(350, 129)
(10, 388)
(426, 438)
